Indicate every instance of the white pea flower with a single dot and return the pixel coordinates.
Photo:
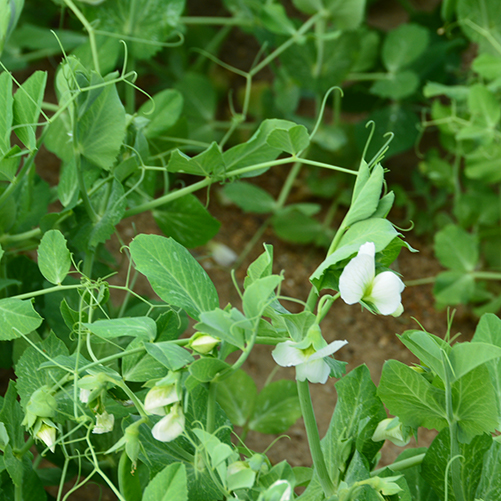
(104, 423)
(170, 426)
(307, 356)
(84, 395)
(159, 397)
(360, 284)
(47, 434)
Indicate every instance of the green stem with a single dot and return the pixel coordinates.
(451, 420)
(314, 438)
(401, 465)
(221, 21)
(174, 195)
(292, 40)
(24, 449)
(90, 30)
(420, 281)
(29, 295)
(83, 190)
(211, 407)
(7, 239)
(130, 91)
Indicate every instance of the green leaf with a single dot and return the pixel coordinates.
(489, 487)
(169, 354)
(209, 162)
(453, 287)
(249, 197)
(294, 225)
(261, 267)
(6, 112)
(237, 397)
(483, 104)
(259, 295)
(256, 150)
(379, 231)
(434, 465)
(29, 377)
(487, 65)
(54, 258)
(174, 274)
(138, 327)
(163, 111)
(482, 164)
(473, 396)
(11, 416)
(205, 369)
(274, 18)
(17, 318)
(489, 331)
(187, 221)
(100, 131)
(456, 249)
(168, 485)
(230, 326)
(465, 357)
(397, 85)
(404, 45)
(478, 19)
(427, 348)
(411, 397)
(293, 140)
(140, 367)
(419, 489)
(277, 408)
(27, 107)
(154, 22)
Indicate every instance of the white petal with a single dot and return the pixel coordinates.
(368, 248)
(315, 371)
(286, 355)
(160, 396)
(356, 278)
(169, 427)
(104, 423)
(385, 294)
(328, 350)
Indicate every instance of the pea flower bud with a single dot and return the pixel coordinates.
(46, 433)
(391, 429)
(203, 343)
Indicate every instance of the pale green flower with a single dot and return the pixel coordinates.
(170, 426)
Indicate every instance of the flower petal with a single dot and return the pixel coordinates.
(160, 396)
(286, 355)
(315, 371)
(328, 350)
(169, 427)
(385, 294)
(357, 276)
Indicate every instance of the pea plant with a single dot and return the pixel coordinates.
(145, 395)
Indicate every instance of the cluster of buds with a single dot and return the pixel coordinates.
(164, 399)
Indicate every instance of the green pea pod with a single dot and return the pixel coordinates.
(128, 482)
